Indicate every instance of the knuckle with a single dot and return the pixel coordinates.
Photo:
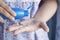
(5, 5)
(2, 10)
(7, 8)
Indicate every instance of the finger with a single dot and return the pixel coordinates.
(5, 13)
(1, 2)
(29, 28)
(44, 26)
(8, 9)
(2, 20)
(14, 27)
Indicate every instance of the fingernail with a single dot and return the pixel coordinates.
(47, 30)
(14, 14)
(13, 18)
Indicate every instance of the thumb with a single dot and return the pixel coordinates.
(44, 26)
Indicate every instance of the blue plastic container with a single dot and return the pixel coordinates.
(20, 13)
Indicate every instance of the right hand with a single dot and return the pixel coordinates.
(6, 11)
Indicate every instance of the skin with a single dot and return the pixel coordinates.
(6, 11)
(45, 12)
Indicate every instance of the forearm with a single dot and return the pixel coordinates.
(46, 11)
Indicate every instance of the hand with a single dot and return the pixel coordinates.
(6, 11)
(28, 26)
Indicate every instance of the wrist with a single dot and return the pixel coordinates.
(39, 20)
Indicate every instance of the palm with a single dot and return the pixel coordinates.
(28, 26)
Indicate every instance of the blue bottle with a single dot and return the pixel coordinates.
(20, 13)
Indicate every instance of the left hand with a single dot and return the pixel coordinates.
(28, 26)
